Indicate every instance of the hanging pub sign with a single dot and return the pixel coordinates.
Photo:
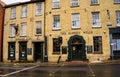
(89, 49)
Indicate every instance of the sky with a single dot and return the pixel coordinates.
(13, 1)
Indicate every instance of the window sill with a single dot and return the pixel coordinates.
(58, 29)
(11, 36)
(74, 6)
(94, 4)
(116, 2)
(76, 28)
(96, 27)
(22, 36)
(97, 52)
(55, 8)
(12, 18)
(23, 17)
(38, 15)
(38, 34)
(56, 53)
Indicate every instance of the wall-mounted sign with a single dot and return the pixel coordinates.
(29, 51)
(64, 49)
(89, 49)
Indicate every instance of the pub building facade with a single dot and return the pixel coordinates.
(66, 30)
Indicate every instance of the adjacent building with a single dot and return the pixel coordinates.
(24, 32)
(65, 30)
(2, 4)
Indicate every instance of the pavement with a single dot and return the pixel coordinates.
(71, 63)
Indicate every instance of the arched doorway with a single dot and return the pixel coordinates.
(76, 48)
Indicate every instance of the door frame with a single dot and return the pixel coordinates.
(21, 43)
(70, 47)
(42, 51)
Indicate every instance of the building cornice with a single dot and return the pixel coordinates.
(22, 3)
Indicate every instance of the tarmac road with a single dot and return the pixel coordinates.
(62, 70)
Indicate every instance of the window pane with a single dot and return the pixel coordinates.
(74, 3)
(13, 12)
(24, 11)
(56, 22)
(12, 30)
(23, 29)
(94, 2)
(75, 21)
(118, 17)
(56, 45)
(38, 27)
(116, 1)
(96, 20)
(56, 4)
(97, 44)
(38, 9)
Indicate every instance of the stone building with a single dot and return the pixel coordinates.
(2, 4)
(24, 31)
(65, 30)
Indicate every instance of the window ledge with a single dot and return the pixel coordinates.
(38, 34)
(94, 4)
(74, 6)
(97, 52)
(22, 36)
(57, 29)
(56, 53)
(11, 36)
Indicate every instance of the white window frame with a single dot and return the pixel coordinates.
(38, 27)
(96, 19)
(23, 29)
(116, 1)
(24, 11)
(118, 18)
(13, 12)
(94, 2)
(74, 2)
(39, 9)
(55, 4)
(12, 30)
(75, 20)
(56, 22)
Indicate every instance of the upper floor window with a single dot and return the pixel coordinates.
(118, 17)
(24, 11)
(23, 29)
(38, 9)
(12, 30)
(38, 27)
(13, 13)
(56, 22)
(94, 2)
(74, 2)
(96, 19)
(116, 1)
(75, 20)
(55, 3)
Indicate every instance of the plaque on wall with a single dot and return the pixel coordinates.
(29, 51)
(89, 49)
(64, 49)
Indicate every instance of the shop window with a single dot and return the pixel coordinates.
(56, 45)
(11, 51)
(97, 44)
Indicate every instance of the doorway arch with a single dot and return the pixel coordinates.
(76, 48)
